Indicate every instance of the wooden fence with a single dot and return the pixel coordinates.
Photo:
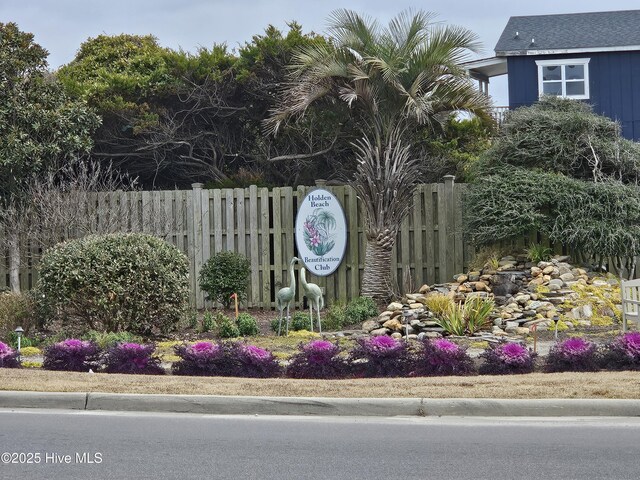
(260, 224)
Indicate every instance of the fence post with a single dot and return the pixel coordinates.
(450, 225)
(195, 242)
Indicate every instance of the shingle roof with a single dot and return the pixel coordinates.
(570, 31)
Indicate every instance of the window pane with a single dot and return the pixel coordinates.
(575, 72)
(552, 73)
(575, 88)
(552, 88)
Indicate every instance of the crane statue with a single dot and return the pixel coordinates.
(286, 295)
(314, 295)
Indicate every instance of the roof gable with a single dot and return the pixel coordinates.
(574, 31)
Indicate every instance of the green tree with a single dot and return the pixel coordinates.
(561, 170)
(41, 128)
(395, 80)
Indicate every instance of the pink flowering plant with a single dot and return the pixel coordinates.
(128, 357)
(623, 353)
(252, 361)
(202, 359)
(507, 358)
(573, 355)
(443, 357)
(8, 357)
(380, 356)
(71, 355)
(317, 359)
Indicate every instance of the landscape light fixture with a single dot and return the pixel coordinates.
(19, 331)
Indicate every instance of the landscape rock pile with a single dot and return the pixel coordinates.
(525, 295)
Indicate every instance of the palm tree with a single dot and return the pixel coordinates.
(396, 80)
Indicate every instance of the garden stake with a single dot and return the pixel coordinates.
(235, 297)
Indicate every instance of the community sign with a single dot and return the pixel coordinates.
(321, 232)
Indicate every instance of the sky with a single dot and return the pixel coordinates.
(61, 26)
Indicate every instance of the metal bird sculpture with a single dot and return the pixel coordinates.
(314, 294)
(285, 296)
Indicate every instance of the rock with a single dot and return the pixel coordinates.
(582, 312)
(549, 270)
(465, 288)
(394, 306)
(567, 277)
(424, 289)
(415, 306)
(396, 335)
(480, 286)
(461, 278)
(536, 282)
(423, 335)
(416, 323)
(536, 272)
(522, 331)
(393, 324)
(397, 313)
(522, 298)
(564, 268)
(379, 332)
(503, 286)
(562, 258)
(474, 276)
(370, 325)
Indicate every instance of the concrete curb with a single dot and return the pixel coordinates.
(385, 407)
(62, 400)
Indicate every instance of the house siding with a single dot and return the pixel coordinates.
(614, 85)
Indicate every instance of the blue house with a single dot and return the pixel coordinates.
(592, 57)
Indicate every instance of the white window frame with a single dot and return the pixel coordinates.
(563, 62)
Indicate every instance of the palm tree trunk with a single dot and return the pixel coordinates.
(376, 278)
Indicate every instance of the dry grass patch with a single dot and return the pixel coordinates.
(536, 385)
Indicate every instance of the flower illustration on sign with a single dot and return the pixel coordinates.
(318, 231)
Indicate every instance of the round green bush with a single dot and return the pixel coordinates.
(227, 328)
(224, 274)
(117, 282)
(247, 325)
(298, 321)
(360, 309)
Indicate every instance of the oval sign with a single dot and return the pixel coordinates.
(321, 232)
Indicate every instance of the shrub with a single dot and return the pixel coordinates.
(30, 351)
(15, 310)
(317, 359)
(224, 274)
(380, 356)
(255, 362)
(360, 309)
(507, 358)
(538, 253)
(335, 317)
(572, 355)
(227, 328)
(623, 353)
(299, 321)
(134, 282)
(8, 357)
(133, 358)
(443, 357)
(71, 355)
(247, 325)
(201, 359)
(105, 340)
(208, 323)
(468, 317)
(439, 304)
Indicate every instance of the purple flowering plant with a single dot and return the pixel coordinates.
(71, 355)
(623, 353)
(573, 355)
(317, 359)
(8, 357)
(443, 357)
(507, 358)
(253, 361)
(201, 359)
(380, 356)
(133, 358)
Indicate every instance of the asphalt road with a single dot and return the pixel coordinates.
(98, 445)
